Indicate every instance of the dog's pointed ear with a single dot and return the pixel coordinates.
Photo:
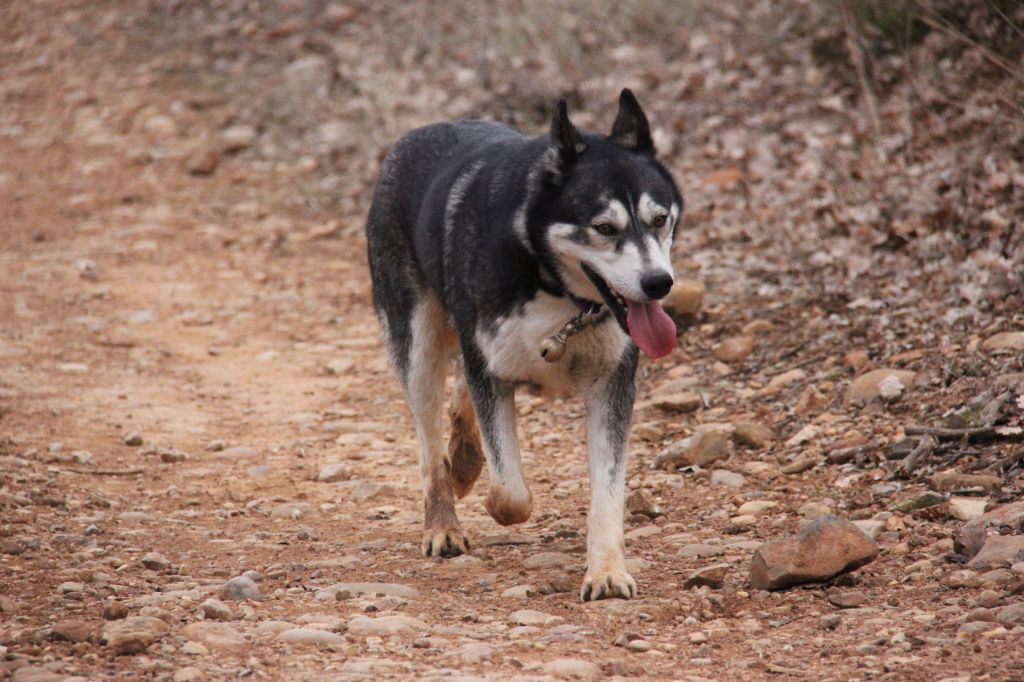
(564, 136)
(631, 129)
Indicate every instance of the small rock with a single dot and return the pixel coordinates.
(967, 508)
(758, 328)
(133, 438)
(727, 478)
(856, 360)
(807, 433)
(1010, 514)
(531, 617)
(396, 590)
(952, 480)
(240, 588)
(548, 560)
(812, 510)
(194, 649)
(709, 576)
(290, 510)
(735, 349)
(172, 455)
(474, 652)
(334, 472)
(215, 609)
(216, 636)
(879, 383)
(215, 446)
(114, 610)
(155, 561)
(70, 587)
(639, 645)
(684, 300)
(781, 381)
(575, 668)
(188, 674)
(523, 592)
(846, 599)
(386, 626)
(698, 638)
(1004, 341)
(756, 507)
(72, 631)
(999, 550)
(989, 599)
(801, 464)
(700, 449)
(132, 635)
(311, 636)
(1011, 615)
(752, 434)
(642, 502)
(203, 160)
(826, 547)
(679, 402)
(8, 605)
(699, 551)
(238, 137)
(829, 621)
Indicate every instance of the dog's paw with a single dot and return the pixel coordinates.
(611, 582)
(445, 542)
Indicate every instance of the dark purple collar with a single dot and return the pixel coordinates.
(585, 306)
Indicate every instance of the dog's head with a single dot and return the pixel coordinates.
(604, 220)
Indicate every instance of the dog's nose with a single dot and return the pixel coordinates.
(656, 284)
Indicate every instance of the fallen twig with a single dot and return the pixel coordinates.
(106, 472)
(975, 435)
(783, 670)
(844, 455)
(1006, 463)
(925, 447)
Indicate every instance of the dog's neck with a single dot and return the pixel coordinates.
(552, 284)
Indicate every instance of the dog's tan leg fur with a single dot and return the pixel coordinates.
(429, 356)
(465, 451)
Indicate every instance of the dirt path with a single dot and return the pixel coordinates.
(160, 281)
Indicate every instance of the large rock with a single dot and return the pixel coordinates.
(825, 548)
(240, 588)
(572, 668)
(879, 383)
(700, 449)
(311, 636)
(999, 550)
(134, 634)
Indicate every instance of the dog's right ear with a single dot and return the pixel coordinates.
(565, 138)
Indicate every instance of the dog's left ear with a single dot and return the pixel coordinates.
(631, 129)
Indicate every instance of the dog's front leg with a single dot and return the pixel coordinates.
(609, 403)
(508, 500)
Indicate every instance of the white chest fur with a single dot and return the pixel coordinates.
(512, 346)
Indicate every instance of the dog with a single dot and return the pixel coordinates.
(494, 248)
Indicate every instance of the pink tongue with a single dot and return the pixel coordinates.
(651, 328)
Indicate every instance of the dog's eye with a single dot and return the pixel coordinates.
(659, 221)
(604, 229)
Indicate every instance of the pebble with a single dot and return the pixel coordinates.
(194, 649)
(133, 438)
(967, 508)
(884, 383)
(752, 434)
(710, 576)
(132, 635)
(72, 630)
(203, 159)
(679, 402)
(639, 645)
(756, 507)
(543, 560)
(734, 349)
(812, 510)
(801, 464)
(386, 589)
(698, 638)
(188, 674)
(729, 479)
(334, 472)
(291, 510)
(699, 551)
(685, 298)
(1012, 614)
(172, 455)
(846, 599)
(237, 137)
(70, 587)
(700, 449)
(952, 479)
(1004, 341)
(829, 621)
(531, 617)
(575, 668)
(642, 502)
(781, 381)
(386, 626)
(311, 636)
(824, 548)
(114, 610)
(999, 550)
(474, 652)
(216, 636)
(523, 592)
(215, 609)
(155, 561)
(240, 588)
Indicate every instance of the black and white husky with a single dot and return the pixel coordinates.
(483, 243)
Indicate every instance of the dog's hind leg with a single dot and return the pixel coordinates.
(508, 500)
(465, 452)
(430, 351)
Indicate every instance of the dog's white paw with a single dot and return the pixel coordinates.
(445, 542)
(612, 581)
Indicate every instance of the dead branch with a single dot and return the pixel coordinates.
(925, 446)
(105, 472)
(844, 455)
(973, 435)
(856, 51)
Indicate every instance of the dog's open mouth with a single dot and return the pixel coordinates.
(646, 322)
